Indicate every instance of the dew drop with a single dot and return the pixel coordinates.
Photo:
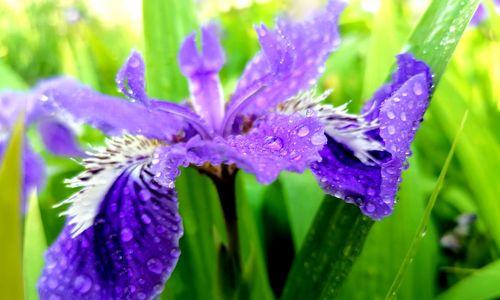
(370, 191)
(370, 208)
(303, 131)
(126, 234)
(417, 89)
(274, 143)
(175, 252)
(391, 129)
(134, 62)
(390, 115)
(144, 195)
(318, 139)
(155, 266)
(146, 219)
(403, 116)
(396, 99)
(82, 284)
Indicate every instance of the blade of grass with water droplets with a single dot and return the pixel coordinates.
(438, 32)
(391, 294)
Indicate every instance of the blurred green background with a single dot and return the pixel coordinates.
(90, 39)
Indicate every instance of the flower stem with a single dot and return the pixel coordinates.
(230, 255)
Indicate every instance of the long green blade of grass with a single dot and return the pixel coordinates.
(439, 31)
(34, 247)
(480, 285)
(11, 276)
(331, 246)
(166, 24)
(391, 294)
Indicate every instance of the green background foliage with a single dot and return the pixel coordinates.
(279, 223)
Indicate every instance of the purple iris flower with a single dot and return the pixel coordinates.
(122, 236)
(57, 137)
(481, 14)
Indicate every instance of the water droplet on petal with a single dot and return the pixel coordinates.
(144, 195)
(175, 252)
(403, 116)
(303, 131)
(396, 99)
(52, 283)
(370, 208)
(274, 143)
(370, 191)
(146, 219)
(126, 234)
(391, 129)
(318, 139)
(82, 284)
(155, 266)
(418, 89)
(390, 115)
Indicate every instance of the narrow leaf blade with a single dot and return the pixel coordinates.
(11, 277)
(331, 246)
(391, 294)
(482, 284)
(166, 24)
(34, 248)
(439, 31)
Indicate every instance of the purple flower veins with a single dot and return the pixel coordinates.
(121, 240)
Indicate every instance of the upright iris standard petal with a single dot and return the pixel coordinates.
(130, 78)
(69, 98)
(293, 57)
(201, 70)
(399, 108)
(130, 246)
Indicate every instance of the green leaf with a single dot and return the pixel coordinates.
(34, 248)
(439, 31)
(255, 283)
(9, 78)
(391, 294)
(478, 157)
(377, 267)
(303, 197)
(331, 246)
(11, 276)
(204, 232)
(166, 24)
(482, 284)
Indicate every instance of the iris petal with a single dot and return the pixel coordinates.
(202, 71)
(128, 253)
(399, 108)
(71, 99)
(58, 138)
(130, 78)
(121, 240)
(292, 58)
